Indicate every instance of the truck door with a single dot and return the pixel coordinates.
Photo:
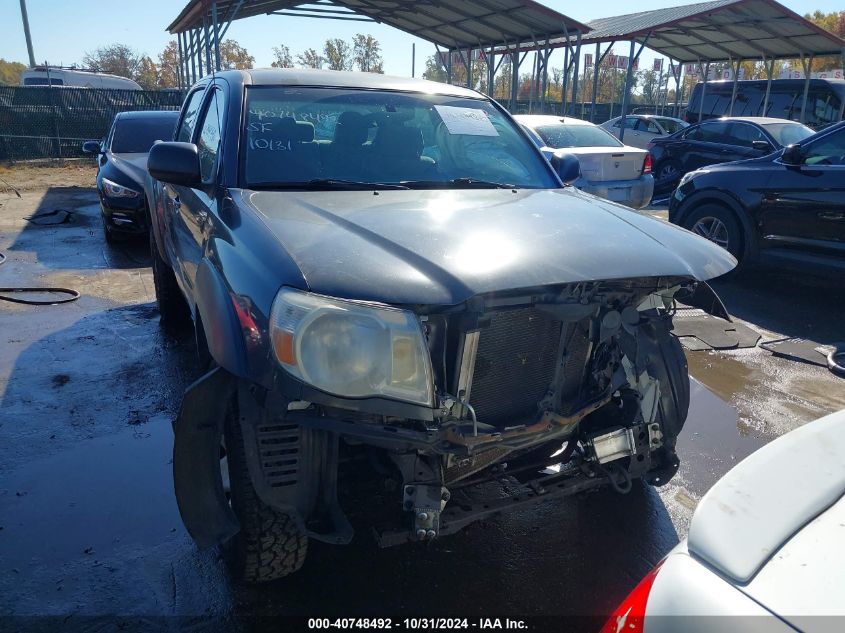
(195, 205)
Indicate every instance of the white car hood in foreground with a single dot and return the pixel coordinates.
(755, 512)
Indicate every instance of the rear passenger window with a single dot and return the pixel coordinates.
(189, 121)
(208, 142)
(713, 132)
(744, 135)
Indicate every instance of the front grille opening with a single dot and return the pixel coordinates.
(514, 366)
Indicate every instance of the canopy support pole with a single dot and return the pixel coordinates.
(596, 65)
(808, 69)
(770, 70)
(576, 70)
(192, 35)
(629, 75)
(215, 25)
(515, 61)
(842, 100)
(706, 73)
(733, 91)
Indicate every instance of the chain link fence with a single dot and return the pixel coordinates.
(53, 122)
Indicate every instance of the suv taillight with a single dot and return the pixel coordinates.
(647, 164)
(630, 615)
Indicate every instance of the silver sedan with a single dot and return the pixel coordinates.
(609, 169)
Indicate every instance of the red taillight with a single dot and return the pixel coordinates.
(629, 617)
(647, 164)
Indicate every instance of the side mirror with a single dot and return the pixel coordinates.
(175, 163)
(792, 155)
(567, 167)
(91, 147)
(763, 146)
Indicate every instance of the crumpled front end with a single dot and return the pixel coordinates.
(546, 393)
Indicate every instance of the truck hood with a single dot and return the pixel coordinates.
(443, 247)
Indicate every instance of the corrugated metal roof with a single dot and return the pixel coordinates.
(720, 30)
(448, 23)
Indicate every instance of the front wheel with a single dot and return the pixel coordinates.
(271, 544)
(667, 174)
(719, 225)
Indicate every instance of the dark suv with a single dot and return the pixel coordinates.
(392, 288)
(788, 208)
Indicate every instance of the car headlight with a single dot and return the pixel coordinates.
(689, 176)
(114, 190)
(351, 349)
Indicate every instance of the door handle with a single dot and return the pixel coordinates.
(832, 215)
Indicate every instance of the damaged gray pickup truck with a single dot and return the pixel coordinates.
(397, 296)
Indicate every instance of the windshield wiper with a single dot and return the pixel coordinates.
(460, 183)
(325, 184)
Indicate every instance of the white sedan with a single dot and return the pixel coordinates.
(766, 546)
(609, 169)
(642, 129)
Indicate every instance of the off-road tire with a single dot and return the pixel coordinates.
(172, 308)
(270, 544)
(667, 363)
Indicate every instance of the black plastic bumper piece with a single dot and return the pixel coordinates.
(205, 511)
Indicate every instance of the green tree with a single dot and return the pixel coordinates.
(338, 54)
(233, 56)
(10, 73)
(282, 57)
(366, 52)
(116, 59)
(168, 66)
(147, 75)
(434, 71)
(310, 58)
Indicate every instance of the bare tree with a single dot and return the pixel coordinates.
(282, 57)
(338, 54)
(117, 59)
(367, 54)
(310, 58)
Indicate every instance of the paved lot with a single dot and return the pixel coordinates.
(88, 523)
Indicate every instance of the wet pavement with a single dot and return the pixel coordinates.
(88, 522)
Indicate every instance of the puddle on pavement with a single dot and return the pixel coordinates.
(713, 439)
(725, 376)
(103, 495)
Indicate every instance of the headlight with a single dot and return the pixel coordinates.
(689, 176)
(114, 190)
(350, 349)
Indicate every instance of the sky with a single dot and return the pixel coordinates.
(64, 30)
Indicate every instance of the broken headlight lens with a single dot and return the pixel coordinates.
(351, 349)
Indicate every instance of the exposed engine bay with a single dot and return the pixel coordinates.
(550, 394)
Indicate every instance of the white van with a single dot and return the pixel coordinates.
(52, 76)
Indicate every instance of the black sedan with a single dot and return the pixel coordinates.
(719, 141)
(788, 207)
(122, 160)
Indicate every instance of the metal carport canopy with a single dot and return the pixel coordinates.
(720, 30)
(453, 24)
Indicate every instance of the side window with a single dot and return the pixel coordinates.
(208, 142)
(189, 121)
(828, 150)
(630, 123)
(645, 125)
(744, 134)
(713, 132)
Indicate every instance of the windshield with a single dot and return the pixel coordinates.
(136, 136)
(306, 137)
(788, 133)
(562, 135)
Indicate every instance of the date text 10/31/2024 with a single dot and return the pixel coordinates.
(415, 624)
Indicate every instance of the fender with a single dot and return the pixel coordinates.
(203, 506)
(156, 215)
(702, 195)
(223, 332)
